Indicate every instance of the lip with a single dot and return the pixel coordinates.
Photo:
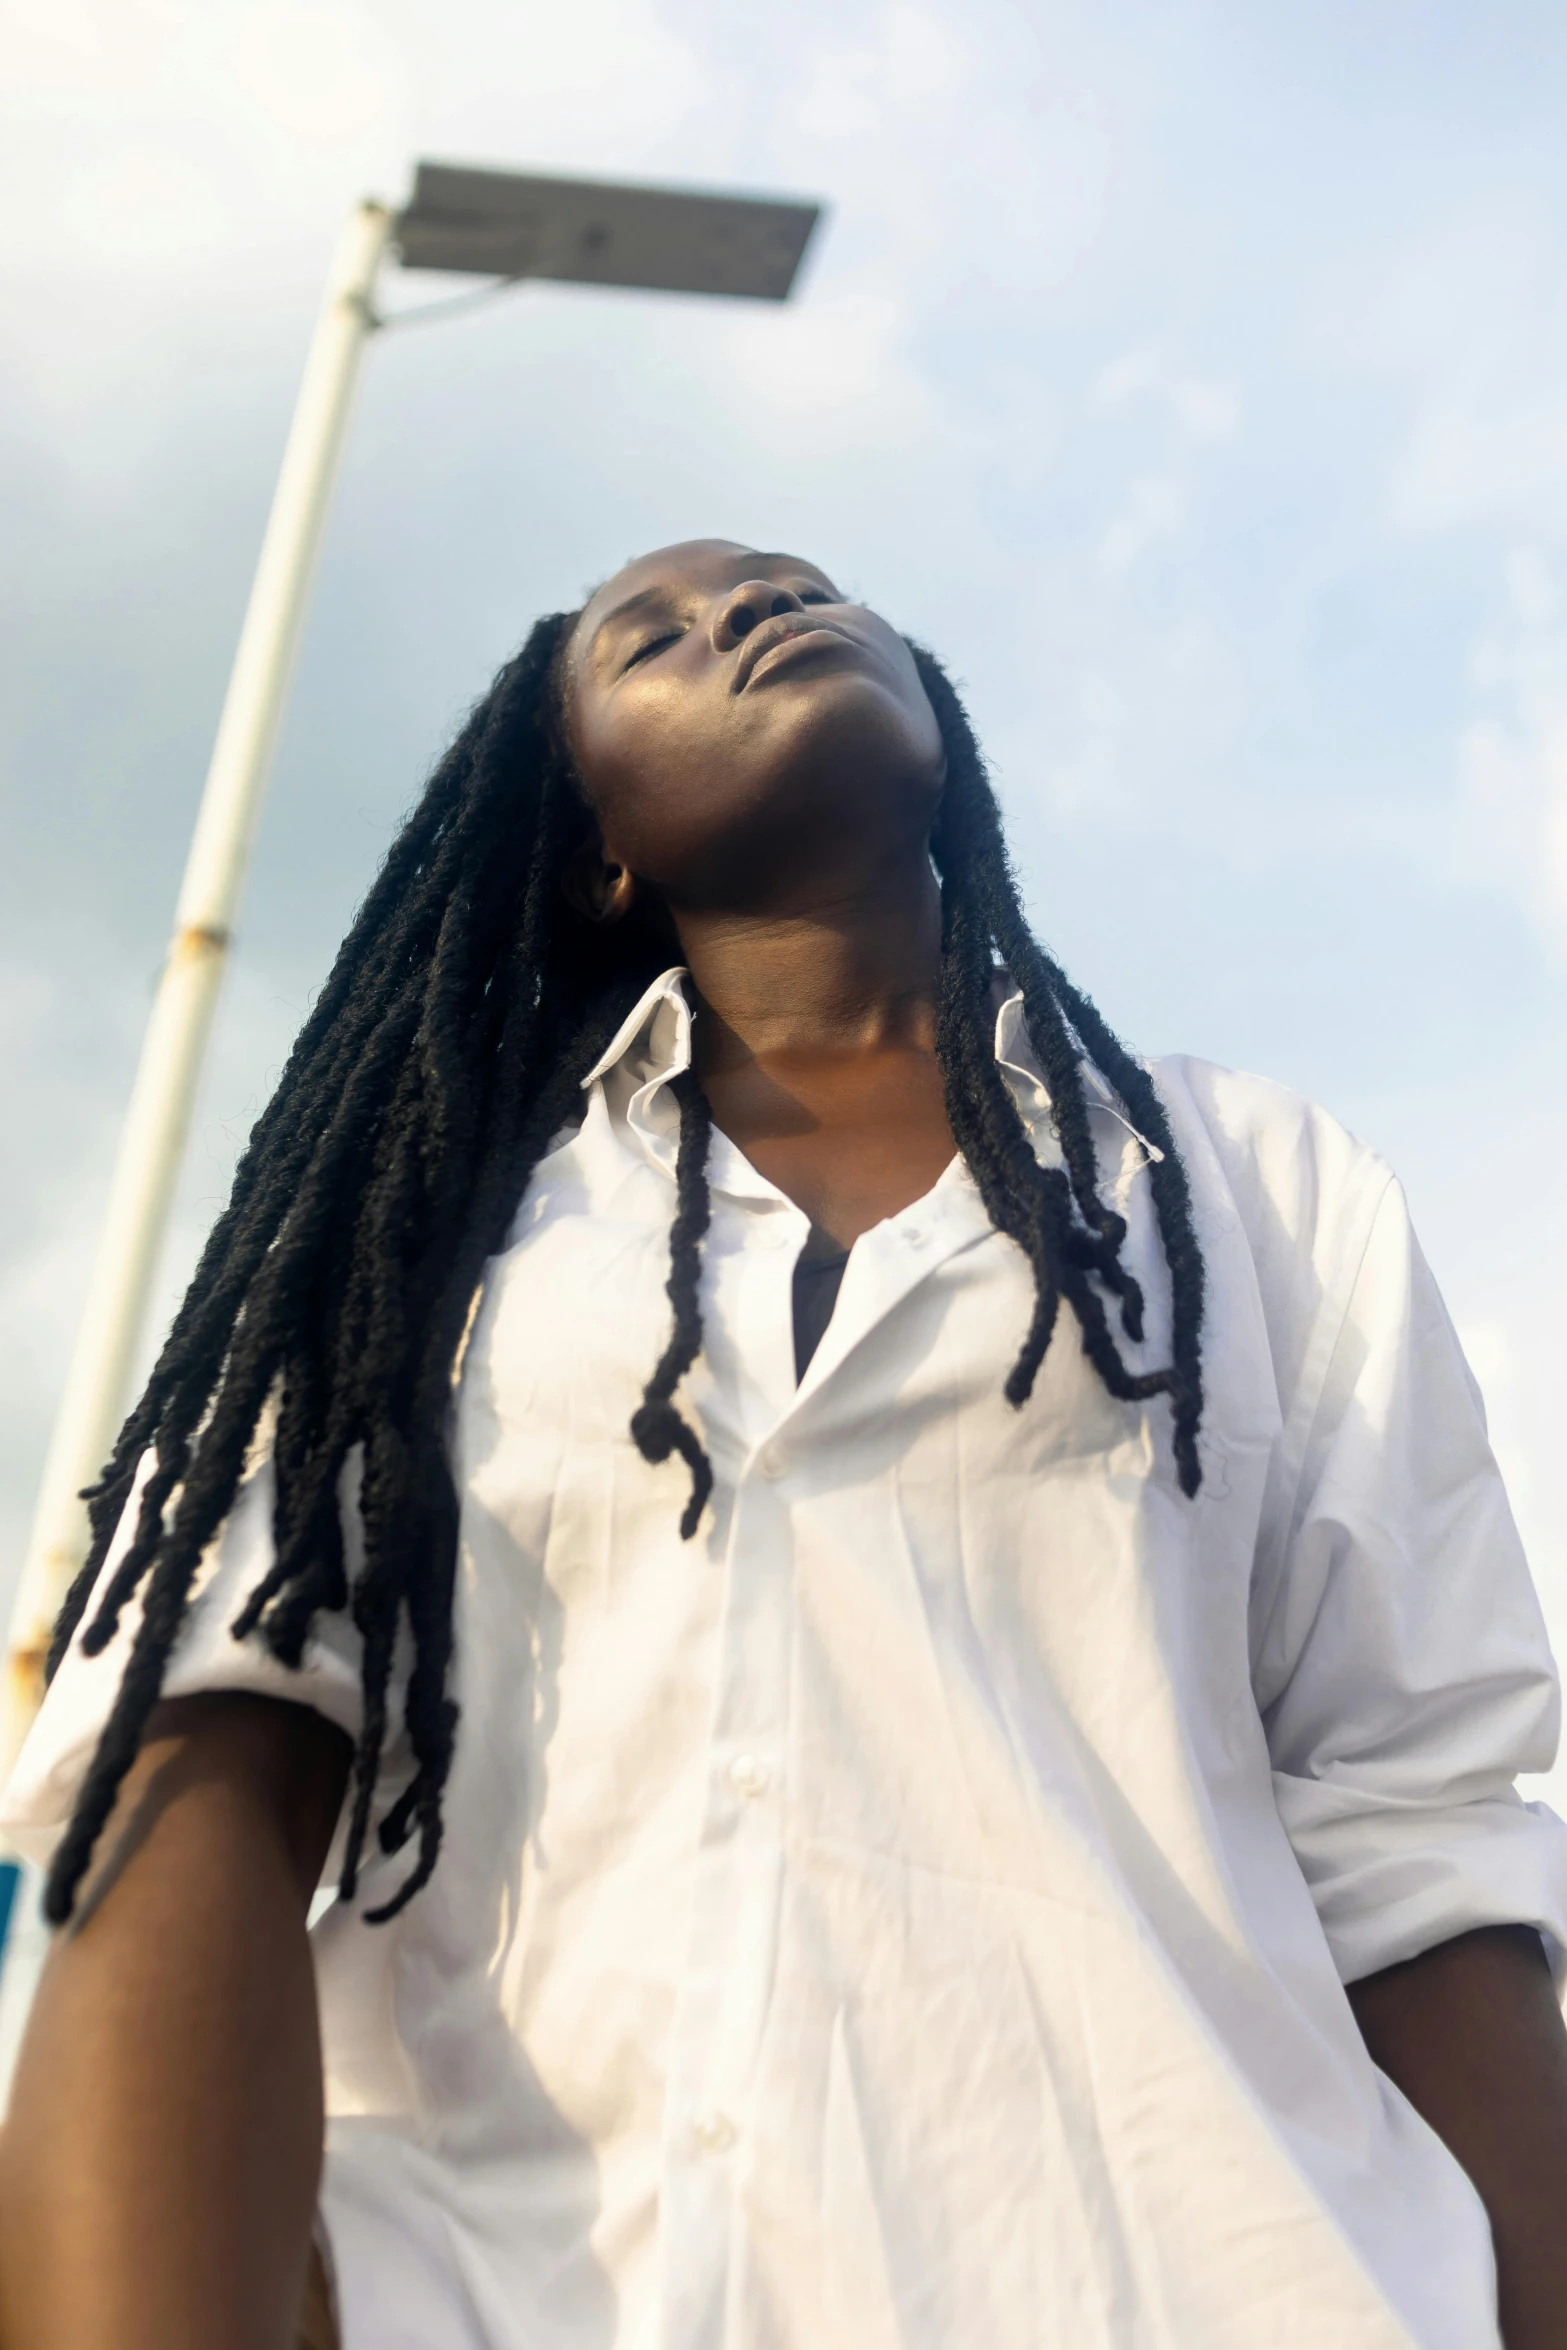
(775, 633)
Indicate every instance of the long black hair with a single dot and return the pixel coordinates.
(446, 1050)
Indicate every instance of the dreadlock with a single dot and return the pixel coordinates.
(445, 1052)
(1054, 1214)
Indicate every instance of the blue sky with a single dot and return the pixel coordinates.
(1193, 377)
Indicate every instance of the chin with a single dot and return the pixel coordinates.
(849, 720)
(857, 765)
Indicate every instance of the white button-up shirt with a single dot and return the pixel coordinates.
(914, 1914)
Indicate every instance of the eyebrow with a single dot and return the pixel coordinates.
(637, 603)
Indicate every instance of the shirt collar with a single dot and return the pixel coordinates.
(654, 1042)
(663, 1012)
(1016, 1056)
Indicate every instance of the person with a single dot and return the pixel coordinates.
(883, 1641)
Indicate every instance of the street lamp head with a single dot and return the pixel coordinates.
(602, 233)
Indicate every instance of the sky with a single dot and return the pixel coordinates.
(1192, 376)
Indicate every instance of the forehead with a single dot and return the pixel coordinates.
(707, 565)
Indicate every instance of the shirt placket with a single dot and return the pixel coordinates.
(738, 1880)
(722, 2008)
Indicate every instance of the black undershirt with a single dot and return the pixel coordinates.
(817, 1281)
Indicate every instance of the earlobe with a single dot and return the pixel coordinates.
(600, 888)
(618, 894)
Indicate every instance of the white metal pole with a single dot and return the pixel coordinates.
(95, 1396)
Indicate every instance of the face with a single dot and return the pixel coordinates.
(745, 735)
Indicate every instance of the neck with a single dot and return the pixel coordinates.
(851, 968)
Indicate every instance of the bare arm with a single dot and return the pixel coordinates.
(1472, 2034)
(159, 2168)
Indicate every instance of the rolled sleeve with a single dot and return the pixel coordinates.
(1407, 1679)
(41, 1792)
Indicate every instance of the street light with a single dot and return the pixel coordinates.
(599, 233)
(504, 225)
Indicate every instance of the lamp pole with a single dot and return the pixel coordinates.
(152, 1142)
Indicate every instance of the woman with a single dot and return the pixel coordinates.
(974, 1584)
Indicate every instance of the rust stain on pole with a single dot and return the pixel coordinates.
(195, 940)
(25, 1666)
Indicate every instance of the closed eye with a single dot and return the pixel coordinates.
(654, 644)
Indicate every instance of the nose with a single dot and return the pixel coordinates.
(746, 607)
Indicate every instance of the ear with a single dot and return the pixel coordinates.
(599, 886)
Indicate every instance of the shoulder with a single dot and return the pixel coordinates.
(1277, 1156)
(1283, 1178)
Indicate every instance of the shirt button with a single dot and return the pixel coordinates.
(713, 2132)
(749, 1776)
(772, 1460)
(914, 1234)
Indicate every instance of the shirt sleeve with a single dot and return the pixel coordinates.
(1405, 1678)
(41, 1793)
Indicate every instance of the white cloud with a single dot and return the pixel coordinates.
(1195, 412)
(1474, 324)
(1205, 408)
(1154, 507)
(319, 74)
(838, 370)
(1513, 751)
(902, 60)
